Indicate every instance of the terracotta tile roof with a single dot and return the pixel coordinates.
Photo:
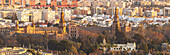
(46, 28)
(96, 29)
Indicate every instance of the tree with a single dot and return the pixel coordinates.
(125, 52)
(133, 52)
(64, 45)
(113, 53)
(145, 48)
(1, 42)
(99, 39)
(120, 35)
(52, 44)
(138, 38)
(118, 53)
(73, 50)
(82, 52)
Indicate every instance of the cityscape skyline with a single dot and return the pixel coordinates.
(84, 27)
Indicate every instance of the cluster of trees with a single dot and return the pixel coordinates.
(32, 42)
(75, 46)
(64, 45)
(147, 40)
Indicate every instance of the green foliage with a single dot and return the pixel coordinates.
(64, 45)
(73, 50)
(99, 39)
(145, 48)
(133, 52)
(1, 42)
(82, 52)
(138, 38)
(120, 35)
(125, 52)
(52, 44)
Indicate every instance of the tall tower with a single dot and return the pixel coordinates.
(116, 23)
(62, 24)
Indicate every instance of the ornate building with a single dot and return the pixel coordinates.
(120, 26)
(58, 31)
(62, 24)
(76, 31)
(116, 22)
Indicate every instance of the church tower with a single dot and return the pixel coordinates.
(62, 24)
(116, 22)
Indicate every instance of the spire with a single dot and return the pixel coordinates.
(62, 21)
(116, 16)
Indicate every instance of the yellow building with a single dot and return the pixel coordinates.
(31, 29)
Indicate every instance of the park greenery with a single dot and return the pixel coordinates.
(147, 40)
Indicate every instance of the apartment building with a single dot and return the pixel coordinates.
(48, 15)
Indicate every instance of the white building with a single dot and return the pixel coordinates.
(36, 15)
(23, 15)
(123, 47)
(19, 51)
(48, 15)
(67, 15)
(14, 51)
(118, 47)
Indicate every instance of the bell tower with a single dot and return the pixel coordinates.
(62, 24)
(116, 22)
